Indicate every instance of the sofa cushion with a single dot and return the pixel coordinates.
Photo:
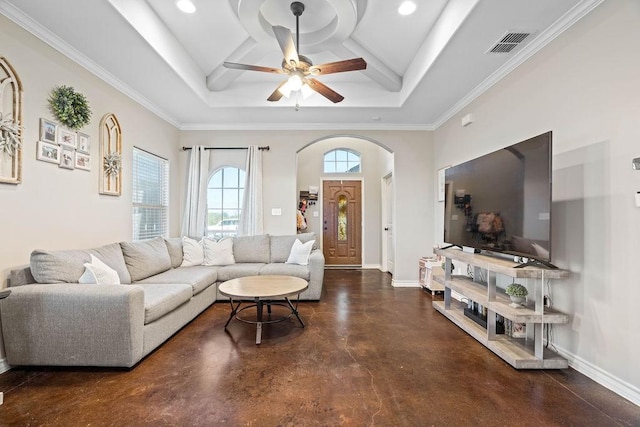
(234, 271)
(66, 266)
(199, 277)
(160, 299)
(174, 247)
(193, 252)
(21, 276)
(281, 269)
(99, 273)
(280, 246)
(251, 248)
(146, 258)
(218, 252)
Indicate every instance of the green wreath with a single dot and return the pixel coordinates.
(70, 107)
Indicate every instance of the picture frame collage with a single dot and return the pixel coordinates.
(64, 147)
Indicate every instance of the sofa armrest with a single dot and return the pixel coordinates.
(316, 275)
(69, 324)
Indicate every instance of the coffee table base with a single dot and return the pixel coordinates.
(259, 304)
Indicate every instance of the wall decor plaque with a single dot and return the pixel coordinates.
(11, 125)
(110, 156)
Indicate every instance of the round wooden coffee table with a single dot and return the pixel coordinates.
(263, 290)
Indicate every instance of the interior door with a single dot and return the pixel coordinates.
(388, 227)
(342, 222)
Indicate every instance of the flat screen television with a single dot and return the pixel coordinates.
(501, 202)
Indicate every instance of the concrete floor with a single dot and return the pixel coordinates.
(369, 355)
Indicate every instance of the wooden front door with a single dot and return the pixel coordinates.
(342, 222)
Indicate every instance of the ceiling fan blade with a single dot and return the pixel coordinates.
(325, 91)
(353, 64)
(247, 67)
(285, 40)
(277, 95)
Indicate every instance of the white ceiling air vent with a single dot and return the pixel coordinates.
(508, 42)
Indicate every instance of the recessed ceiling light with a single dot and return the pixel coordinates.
(186, 6)
(407, 8)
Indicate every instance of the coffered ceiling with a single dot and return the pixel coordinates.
(421, 68)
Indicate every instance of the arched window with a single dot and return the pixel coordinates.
(224, 202)
(341, 160)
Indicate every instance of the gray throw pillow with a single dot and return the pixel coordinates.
(146, 258)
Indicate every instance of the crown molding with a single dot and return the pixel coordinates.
(560, 26)
(306, 126)
(42, 33)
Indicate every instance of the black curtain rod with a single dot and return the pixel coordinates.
(265, 148)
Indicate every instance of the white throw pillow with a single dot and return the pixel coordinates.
(300, 252)
(99, 273)
(193, 252)
(218, 253)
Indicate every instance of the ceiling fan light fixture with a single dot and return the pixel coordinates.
(295, 81)
(407, 8)
(186, 6)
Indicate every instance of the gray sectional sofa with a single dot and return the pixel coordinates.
(51, 319)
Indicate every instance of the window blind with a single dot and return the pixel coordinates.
(150, 195)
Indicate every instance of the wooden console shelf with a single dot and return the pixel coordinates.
(521, 353)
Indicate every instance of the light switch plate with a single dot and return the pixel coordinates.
(276, 211)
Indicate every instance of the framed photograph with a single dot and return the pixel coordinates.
(441, 183)
(67, 157)
(84, 145)
(48, 152)
(67, 138)
(83, 161)
(48, 131)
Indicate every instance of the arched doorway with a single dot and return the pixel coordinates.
(376, 163)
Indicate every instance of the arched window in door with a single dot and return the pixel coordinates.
(342, 160)
(224, 201)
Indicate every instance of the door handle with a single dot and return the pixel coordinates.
(386, 229)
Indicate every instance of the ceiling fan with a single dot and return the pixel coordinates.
(300, 68)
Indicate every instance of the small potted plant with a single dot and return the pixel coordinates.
(517, 293)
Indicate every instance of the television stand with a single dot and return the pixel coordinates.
(537, 263)
(520, 352)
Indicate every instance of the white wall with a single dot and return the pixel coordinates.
(413, 167)
(585, 87)
(57, 208)
(372, 169)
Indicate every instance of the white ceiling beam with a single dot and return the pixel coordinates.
(141, 17)
(376, 70)
(249, 52)
(451, 18)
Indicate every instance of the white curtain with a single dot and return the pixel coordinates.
(194, 220)
(251, 217)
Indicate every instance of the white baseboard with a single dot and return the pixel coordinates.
(4, 366)
(602, 377)
(372, 267)
(405, 283)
